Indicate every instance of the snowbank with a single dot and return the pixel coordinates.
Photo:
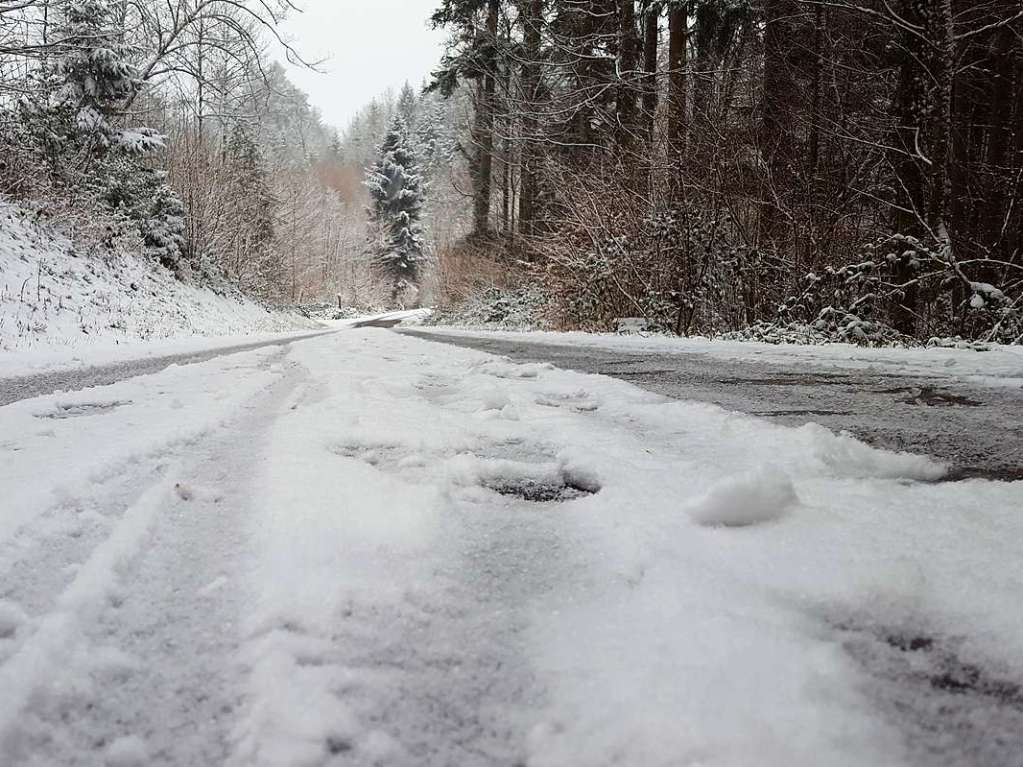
(999, 366)
(54, 297)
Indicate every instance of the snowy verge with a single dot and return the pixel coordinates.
(54, 297)
(1000, 366)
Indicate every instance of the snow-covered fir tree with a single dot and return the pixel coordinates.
(408, 107)
(96, 79)
(396, 189)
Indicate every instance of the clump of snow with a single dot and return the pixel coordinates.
(750, 498)
(53, 295)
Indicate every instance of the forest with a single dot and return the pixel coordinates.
(782, 170)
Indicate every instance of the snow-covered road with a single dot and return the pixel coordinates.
(365, 549)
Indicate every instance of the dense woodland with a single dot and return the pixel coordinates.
(787, 169)
(833, 168)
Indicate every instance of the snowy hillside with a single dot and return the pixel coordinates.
(55, 296)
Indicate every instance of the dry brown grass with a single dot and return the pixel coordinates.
(468, 267)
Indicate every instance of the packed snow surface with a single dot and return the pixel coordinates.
(368, 549)
(55, 297)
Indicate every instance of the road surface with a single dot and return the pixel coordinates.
(369, 549)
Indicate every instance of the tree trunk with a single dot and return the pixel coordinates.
(651, 35)
(678, 42)
(628, 66)
(483, 128)
(532, 26)
(778, 112)
(943, 38)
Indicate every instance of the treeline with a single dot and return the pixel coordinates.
(166, 127)
(809, 168)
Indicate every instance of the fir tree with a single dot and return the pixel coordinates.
(408, 107)
(95, 78)
(396, 189)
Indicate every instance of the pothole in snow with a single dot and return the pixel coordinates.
(538, 491)
(78, 409)
(536, 483)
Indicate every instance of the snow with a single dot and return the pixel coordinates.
(761, 495)
(54, 297)
(999, 366)
(129, 751)
(366, 548)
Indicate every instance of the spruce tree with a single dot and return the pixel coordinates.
(96, 78)
(396, 188)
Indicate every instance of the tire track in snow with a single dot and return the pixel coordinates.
(149, 626)
(453, 683)
(25, 387)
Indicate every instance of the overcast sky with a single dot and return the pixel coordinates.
(370, 45)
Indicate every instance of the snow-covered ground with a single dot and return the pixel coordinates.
(998, 366)
(371, 549)
(56, 300)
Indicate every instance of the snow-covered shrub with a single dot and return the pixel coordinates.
(143, 197)
(519, 308)
(683, 269)
(903, 290)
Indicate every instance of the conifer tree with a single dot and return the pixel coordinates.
(96, 78)
(396, 188)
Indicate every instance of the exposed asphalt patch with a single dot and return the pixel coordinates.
(928, 395)
(535, 491)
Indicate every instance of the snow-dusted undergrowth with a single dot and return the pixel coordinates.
(56, 296)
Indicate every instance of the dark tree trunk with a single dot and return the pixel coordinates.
(532, 29)
(651, 34)
(678, 42)
(483, 128)
(779, 110)
(628, 73)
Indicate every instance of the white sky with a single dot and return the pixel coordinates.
(369, 46)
